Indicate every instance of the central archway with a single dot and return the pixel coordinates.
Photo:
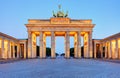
(59, 46)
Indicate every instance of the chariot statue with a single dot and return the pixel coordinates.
(60, 13)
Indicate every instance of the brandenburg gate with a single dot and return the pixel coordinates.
(60, 25)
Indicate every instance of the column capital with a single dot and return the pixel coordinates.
(90, 31)
(79, 31)
(29, 32)
(2, 38)
(67, 32)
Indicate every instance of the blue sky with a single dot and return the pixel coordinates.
(104, 13)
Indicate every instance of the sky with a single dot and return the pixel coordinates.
(104, 13)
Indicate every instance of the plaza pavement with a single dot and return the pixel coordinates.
(60, 68)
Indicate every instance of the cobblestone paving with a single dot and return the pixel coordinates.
(60, 68)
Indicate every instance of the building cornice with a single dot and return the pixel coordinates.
(112, 36)
(7, 36)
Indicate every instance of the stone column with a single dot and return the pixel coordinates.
(44, 45)
(21, 51)
(110, 50)
(25, 50)
(116, 52)
(53, 45)
(86, 45)
(67, 39)
(9, 50)
(29, 44)
(18, 50)
(13, 50)
(2, 48)
(90, 52)
(118, 49)
(94, 49)
(41, 45)
(119, 53)
(105, 50)
(33, 42)
(75, 46)
(79, 44)
(101, 50)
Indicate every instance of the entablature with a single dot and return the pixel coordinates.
(59, 21)
(61, 25)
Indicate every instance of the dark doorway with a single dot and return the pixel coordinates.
(15, 51)
(82, 51)
(37, 49)
(103, 52)
(98, 54)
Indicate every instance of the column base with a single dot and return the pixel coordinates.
(40, 57)
(88, 58)
(30, 58)
(53, 57)
(79, 58)
(67, 57)
(43, 57)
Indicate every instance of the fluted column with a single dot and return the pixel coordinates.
(86, 45)
(101, 50)
(94, 49)
(13, 50)
(53, 45)
(67, 44)
(29, 44)
(41, 45)
(79, 44)
(33, 42)
(18, 50)
(110, 53)
(90, 52)
(116, 52)
(75, 46)
(25, 50)
(44, 45)
(21, 51)
(118, 48)
(2, 48)
(105, 50)
(9, 50)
